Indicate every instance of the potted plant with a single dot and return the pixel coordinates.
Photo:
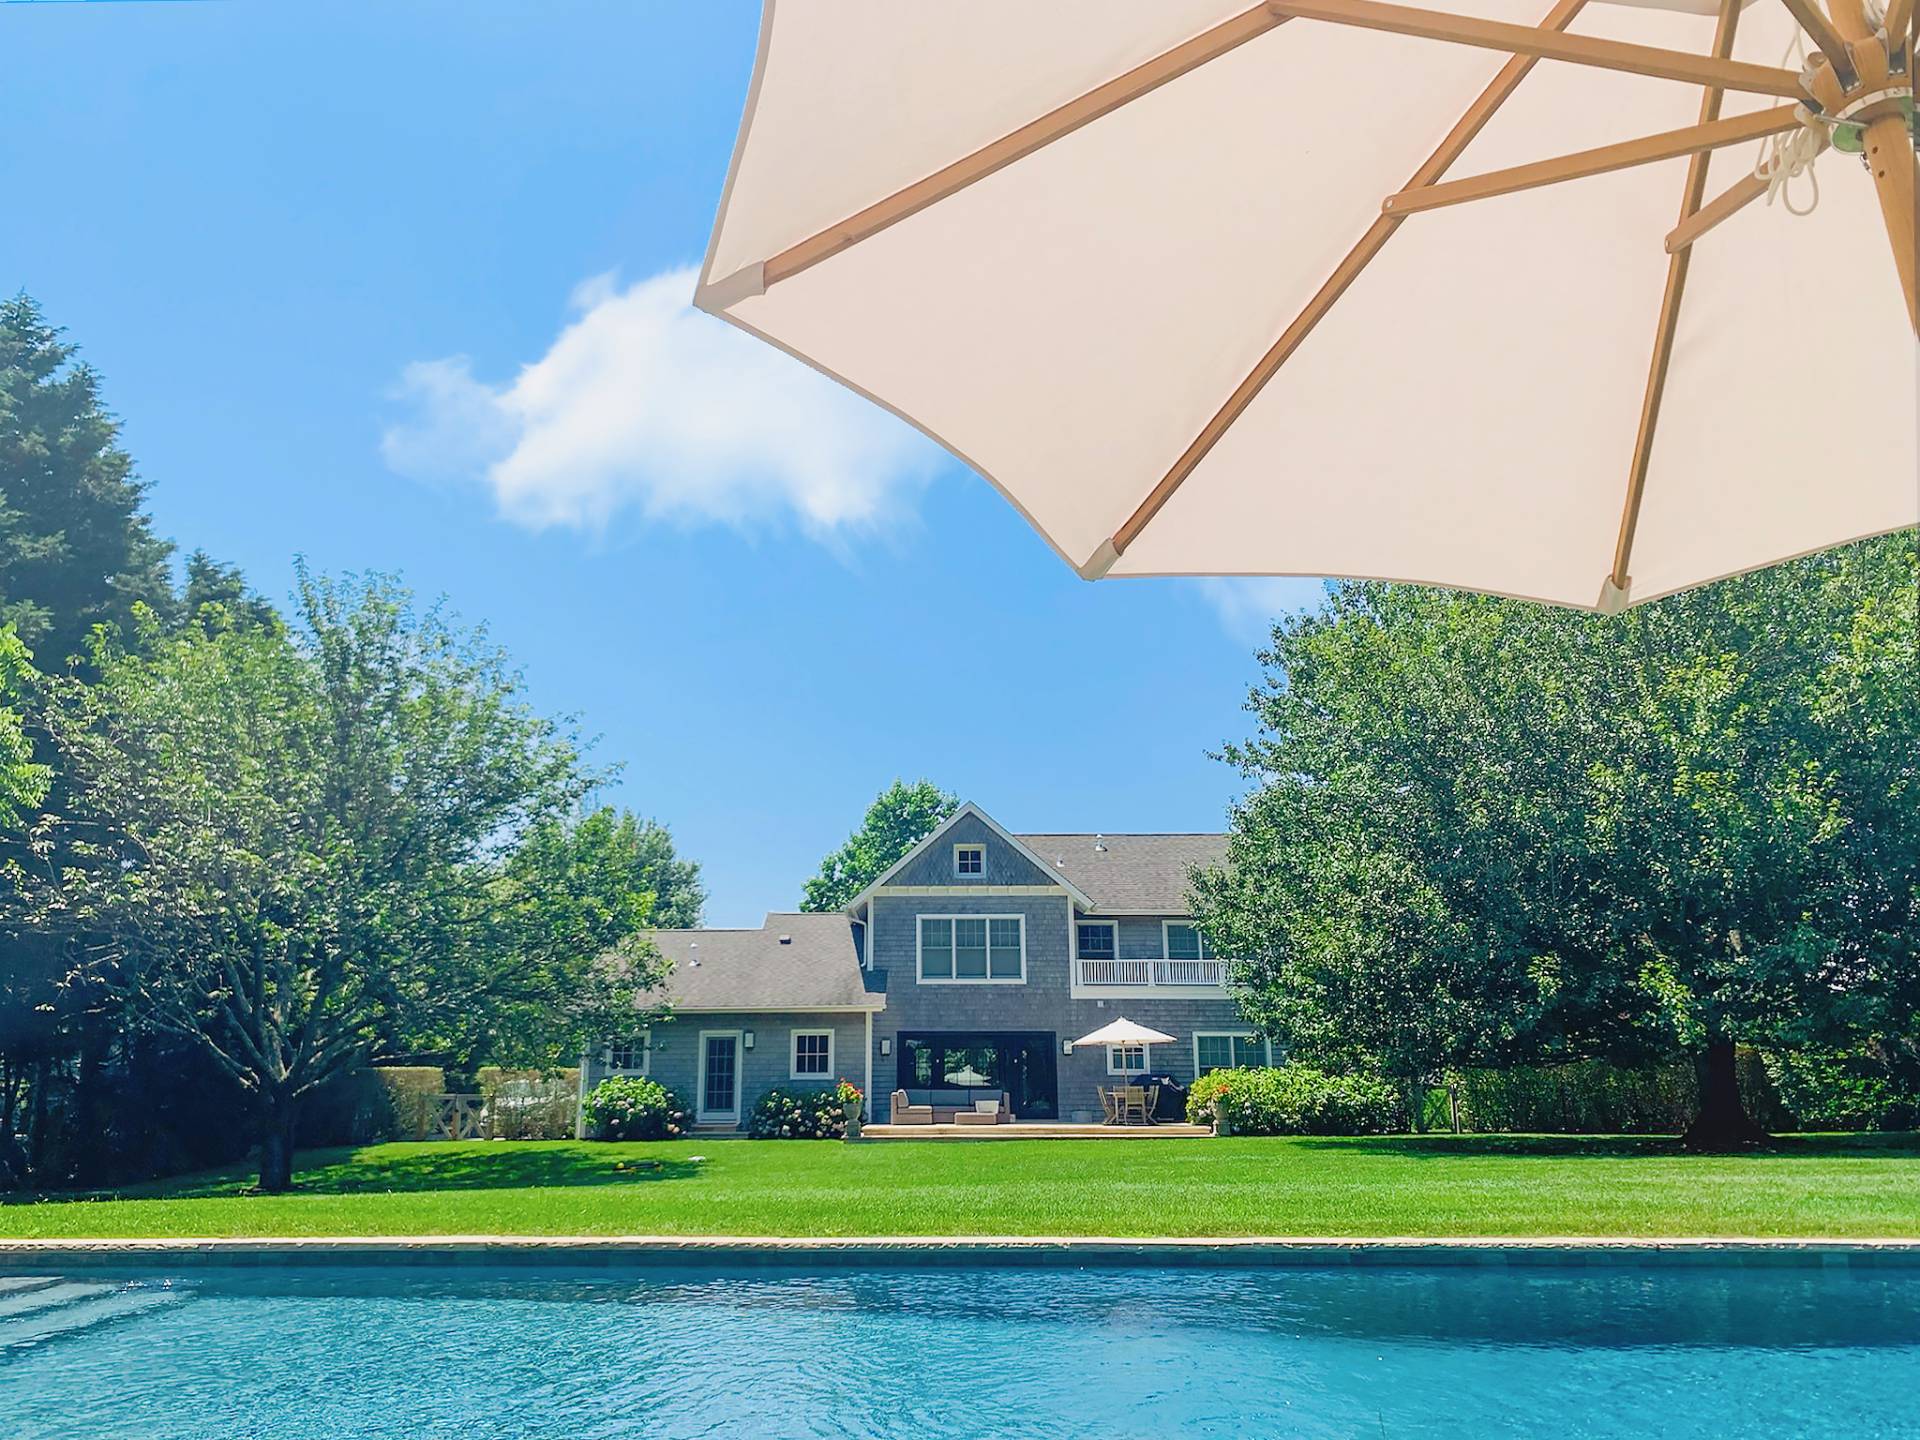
(1222, 1120)
(850, 1098)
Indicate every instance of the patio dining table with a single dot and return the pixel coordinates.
(1129, 1104)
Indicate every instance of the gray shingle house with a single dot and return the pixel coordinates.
(974, 962)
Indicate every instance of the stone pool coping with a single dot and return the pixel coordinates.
(899, 1250)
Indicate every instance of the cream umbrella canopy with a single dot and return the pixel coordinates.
(1125, 1032)
(1474, 296)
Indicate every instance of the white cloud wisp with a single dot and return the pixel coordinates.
(643, 401)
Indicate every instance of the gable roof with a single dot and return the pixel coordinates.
(942, 828)
(815, 966)
(1130, 874)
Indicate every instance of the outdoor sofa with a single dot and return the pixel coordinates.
(953, 1106)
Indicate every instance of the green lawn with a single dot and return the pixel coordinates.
(1519, 1186)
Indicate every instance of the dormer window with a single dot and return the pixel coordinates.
(969, 861)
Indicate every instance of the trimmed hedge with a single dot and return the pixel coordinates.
(1593, 1097)
(1844, 1090)
(1297, 1100)
(627, 1107)
(799, 1115)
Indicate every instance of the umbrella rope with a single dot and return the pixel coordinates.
(1786, 157)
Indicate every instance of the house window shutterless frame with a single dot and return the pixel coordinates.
(970, 861)
(1096, 939)
(810, 1055)
(1126, 1059)
(1182, 940)
(1227, 1050)
(630, 1057)
(971, 949)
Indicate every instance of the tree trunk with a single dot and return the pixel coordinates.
(1721, 1123)
(276, 1148)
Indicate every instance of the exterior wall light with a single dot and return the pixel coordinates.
(746, 1039)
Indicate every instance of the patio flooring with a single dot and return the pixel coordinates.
(1024, 1130)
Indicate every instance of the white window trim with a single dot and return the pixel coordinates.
(1146, 1060)
(1266, 1046)
(646, 1057)
(1113, 925)
(1206, 945)
(700, 1111)
(960, 874)
(920, 961)
(794, 1072)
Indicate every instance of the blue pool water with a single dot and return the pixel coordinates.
(420, 1353)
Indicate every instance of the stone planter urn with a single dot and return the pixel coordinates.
(1222, 1122)
(851, 1108)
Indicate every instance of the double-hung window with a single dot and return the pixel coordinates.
(1126, 1059)
(977, 948)
(1185, 942)
(1227, 1051)
(812, 1055)
(1096, 939)
(629, 1057)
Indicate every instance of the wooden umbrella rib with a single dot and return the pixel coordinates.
(1821, 31)
(1035, 135)
(1669, 145)
(1900, 26)
(1678, 264)
(1724, 206)
(1470, 124)
(1548, 44)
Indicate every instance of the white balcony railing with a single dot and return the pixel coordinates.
(1150, 973)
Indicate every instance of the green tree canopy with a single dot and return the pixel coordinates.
(76, 547)
(23, 783)
(900, 817)
(295, 847)
(1490, 832)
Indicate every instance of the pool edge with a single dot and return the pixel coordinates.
(895, 1250)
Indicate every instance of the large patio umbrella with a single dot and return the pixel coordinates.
(1476, 295)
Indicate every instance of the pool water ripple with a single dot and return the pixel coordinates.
(423, 1353)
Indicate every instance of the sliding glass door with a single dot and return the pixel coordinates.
(1020, 1062)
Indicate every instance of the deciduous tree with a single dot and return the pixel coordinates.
(293, 846)
(1489, 832)
(900, 817)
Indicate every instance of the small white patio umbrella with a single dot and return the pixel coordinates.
(1124, 1032)
(1140, 263)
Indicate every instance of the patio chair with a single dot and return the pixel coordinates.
(1133, 1105)
(906, 1114)
(1109, 1103)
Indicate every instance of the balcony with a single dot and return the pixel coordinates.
(1152, 974)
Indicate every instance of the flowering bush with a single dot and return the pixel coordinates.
(626, 1107)
(846, 1092)
(1297, 1100)
(799, 1115)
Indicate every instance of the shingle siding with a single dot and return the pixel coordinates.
(1044, 1003)
(675, 1056)
(824, 961)
(1004, 864)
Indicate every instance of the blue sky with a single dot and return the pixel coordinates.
(373, 282)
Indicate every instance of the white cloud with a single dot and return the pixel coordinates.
(644, 401)
(1248, 606)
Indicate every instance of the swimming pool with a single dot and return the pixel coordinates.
(425, 1352)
